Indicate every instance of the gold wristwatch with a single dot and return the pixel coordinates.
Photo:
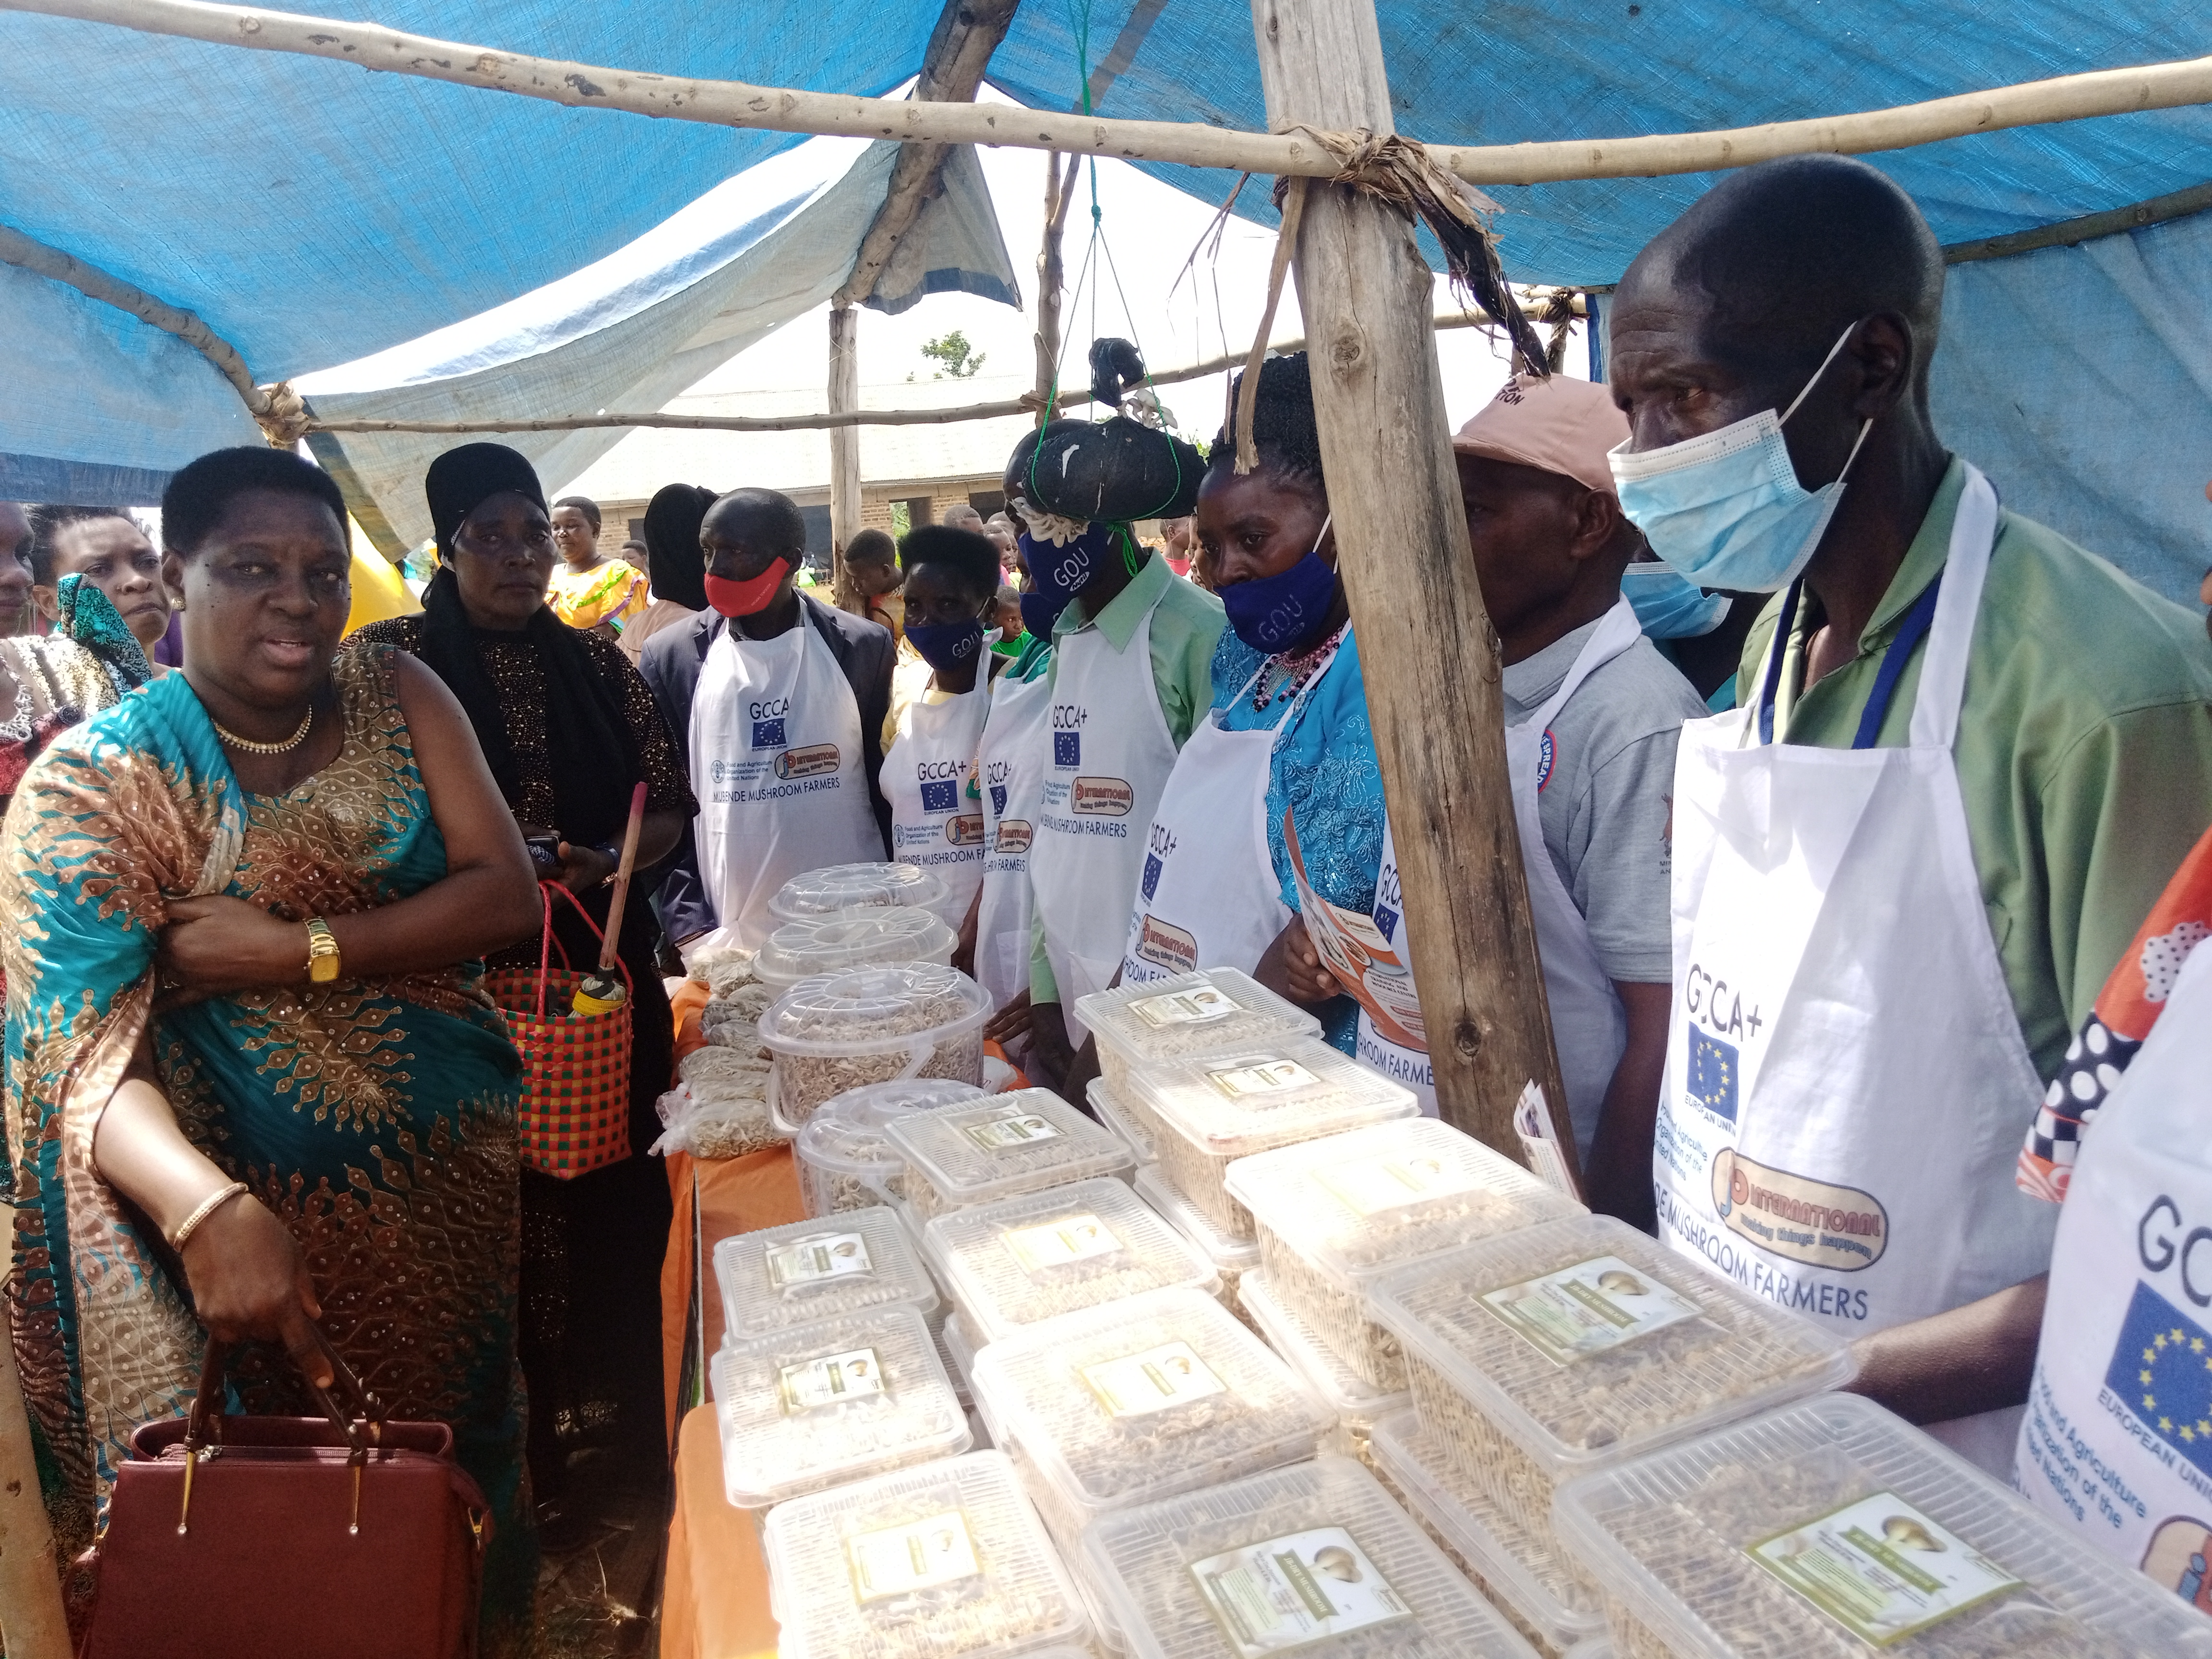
(322, 952)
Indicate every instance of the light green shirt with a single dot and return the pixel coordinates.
(2084, 750)
(1187, 624)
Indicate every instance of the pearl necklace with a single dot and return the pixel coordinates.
(1286, 676)
(231, 740)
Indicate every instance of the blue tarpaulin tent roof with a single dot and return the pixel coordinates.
(315, 214)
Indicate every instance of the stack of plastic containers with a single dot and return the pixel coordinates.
(1333, 1215)
(1314, 1558)
(1232, 1257)
(1111, 1110)
(805, 1272)
(1830, 1527)
(855, 886)
(845, 1160)
(1358, 1405)
(1572, 1346)
(1041, 1254)
(937, 1562)
(851, 939)
(1188, 1014)
(1005, 1145)
(836, 1031)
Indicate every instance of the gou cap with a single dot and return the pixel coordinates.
(1555, 424)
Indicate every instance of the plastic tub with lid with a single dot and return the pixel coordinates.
(1232, 1257)
(815, 1405)
(1316, 1558)
(1358, 1404)
(1058, 1251)
(1547, 1354)
(1520, 1573)
(1135, 1400)
(855, 886)
(806, 1271)
(1186, 1015)
(1212, 1110)
(998, 1147)
(1112, 1110)
(941, 1561)
(852, 939)
(836, 1031)
(1830, 1527)
(1333, 1214)
(845, 1161)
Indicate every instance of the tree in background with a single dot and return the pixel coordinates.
(956, 359)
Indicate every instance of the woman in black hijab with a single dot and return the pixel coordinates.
(568, 730)
(674, 561)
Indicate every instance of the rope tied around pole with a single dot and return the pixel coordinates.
(282, 416)
(1400, 173)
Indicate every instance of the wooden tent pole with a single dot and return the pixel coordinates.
(1052, 276)
(1426, 647)
(844, 452)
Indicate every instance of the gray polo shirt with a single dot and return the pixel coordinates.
(1607, 803)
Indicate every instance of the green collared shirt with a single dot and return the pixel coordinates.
(1187, 624)
(2084, 750)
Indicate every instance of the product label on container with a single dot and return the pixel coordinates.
(1588, 1307)
(1014, 1129)
(825, 1255)
(1265, 1076)
(1368, 1186)
(1288, 1592)
(829, 1381)
(1056, 1243)
(919, 1556)
(1191, 1005)
(1881, 1569)
(1138, 1384)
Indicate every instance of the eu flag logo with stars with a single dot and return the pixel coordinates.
(1067, 748)
(999, 799)
(940, 795)
(2162, 1370)
(769, 734)
(1151, 881)
(1712, 1074)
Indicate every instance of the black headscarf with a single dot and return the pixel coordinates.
(672, 555)
(594, 760)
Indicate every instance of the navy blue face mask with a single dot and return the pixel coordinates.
(946, 646)
(1275, 613)
(1039, 612)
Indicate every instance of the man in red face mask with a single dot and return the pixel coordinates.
(780, 700)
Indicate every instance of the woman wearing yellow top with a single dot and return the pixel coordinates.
(589, 589)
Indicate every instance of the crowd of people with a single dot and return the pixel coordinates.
(1886, 930)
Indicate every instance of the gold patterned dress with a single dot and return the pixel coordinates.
(376, 1117)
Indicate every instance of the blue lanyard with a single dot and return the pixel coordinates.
(1911, 628)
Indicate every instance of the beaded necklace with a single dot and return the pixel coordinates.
(1287, 675)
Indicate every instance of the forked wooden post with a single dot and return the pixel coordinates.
(1426, 647)
(844, 450)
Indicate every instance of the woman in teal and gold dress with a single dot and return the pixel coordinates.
(251, 1080)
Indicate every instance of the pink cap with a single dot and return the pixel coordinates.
(1557, 425)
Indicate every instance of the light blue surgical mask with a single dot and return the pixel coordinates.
(1725, 509)
(1668, 607)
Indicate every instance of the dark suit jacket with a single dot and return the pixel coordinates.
(670, 664)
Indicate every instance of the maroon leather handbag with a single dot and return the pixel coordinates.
(339, 1537)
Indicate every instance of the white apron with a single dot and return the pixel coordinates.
(1207, 897)
(1109, 762)
(936, 805)
(1011, 757)
(776, 763)
(1846, 1084)
(2116, 1442)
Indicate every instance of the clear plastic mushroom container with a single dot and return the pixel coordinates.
(942, 1561)
(836, 1031)
(1002, 1145)
(1523, 1575)
(853, 887)
(1314, 1558)
(817, 1405)
(1333, 1214)
(1138, 1400)
(1115, 1113)
(1208, 1112)
(1186, 1015)
(804, 1272)
(1034, 1257)
(1232, 1257)
(1544, 1354)
(1830, 1527)
(1358, 1405)
(845, 1160)
(852, 939)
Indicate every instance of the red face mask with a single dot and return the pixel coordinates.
(747, 598)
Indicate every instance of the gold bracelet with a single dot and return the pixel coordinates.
(208, 1208)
